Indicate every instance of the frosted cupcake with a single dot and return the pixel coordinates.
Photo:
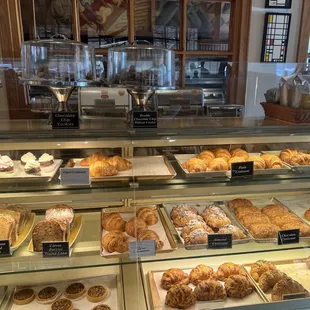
(6, 164)
(32, 167)
(26, 157)
(46, 160)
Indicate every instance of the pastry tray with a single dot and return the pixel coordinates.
(144, 168)
(20, 176)
(181, 158)
(200, 206)
(114, 298)
(158, 295)
(296, 269)
(260, 203)
(75, 230)
(161, 228)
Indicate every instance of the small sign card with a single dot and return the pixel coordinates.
(223, 241)
(294, 296)
(74, 176)
(144, 119)
(65, 120)
(56, 249)
(288, 236)
(5, 248)
(242, 170)
(142, 248)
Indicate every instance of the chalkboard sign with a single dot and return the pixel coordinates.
(56, 249)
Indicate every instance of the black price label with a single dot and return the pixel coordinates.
(288, 236)
(65, 120)
(56, 249)
(5, 248)
(241, 170)
(144, 119)
(294, 296)
(223, 241)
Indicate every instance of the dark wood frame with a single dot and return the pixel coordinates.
(288, 5)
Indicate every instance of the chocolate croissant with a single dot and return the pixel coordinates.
(239, 202)
(147, 215)
(173, 277)
(113, 221)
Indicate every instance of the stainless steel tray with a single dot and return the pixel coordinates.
(200, 206)
(144, 168)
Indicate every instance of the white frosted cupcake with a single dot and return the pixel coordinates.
(32, 167)
(26, 157)
(6, 164)
(46, 160)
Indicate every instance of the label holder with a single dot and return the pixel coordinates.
(222, 241)
(65, 120)
(242, 170)
(144, 248)
(144, 119)
(5, 249)
(74, 176)
(290, 236)
(56, 249)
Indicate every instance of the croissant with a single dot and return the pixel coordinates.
(240, 153)
(272, 161)
(244, 210)
(218, 164)
(287, 286)
(182, 209)
(239, 202)
(269, 279)
(297, 160)
(180, 296)
(286, 155)
(200, 273)
(101, 169)
(196, 236)
(210, 290)
(206, 156)
(235, 159)
(93, 158)
(183, 219)
(134, 225)
(238, 286)
(113, 221)
(226, 270)
(285, 218)
(222, 153)
(195, 165)
(249, 219)
(193, 225)
(211, 210)
(147, 215)
(261, 266)
(150, 235)
(274, 210)
(258, 162)
(264, 231)
(306, 158)
(121, 164)
(173, 277)
(115, 241)
(215, 220)
(236, 232)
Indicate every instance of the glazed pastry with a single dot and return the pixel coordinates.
(287, 154)
(150, 235)
(62, 304)
(258, 162)
(46, 160)
(181, 210)
(235, 159)
(133, 227)
(236, 232)
(60, 212)
(217, 220)
(307, 215)
(174, 276)
(121, 164)
(101, 169)
(195, 165)
(26, 157)
(222, 153)
(200, 273)
(250, 219)
(211, 210)
(273, 210)
(147, 215)
(101, 307)
(6, 164)
(245, 210)
(210, 290)
(226, 270)
(180, 296)
(184, 219)
(113, 221)
(97, 293)
(115, 241)
(240, 153)
(196, 236)
(219, 164)
(32, 167)
(238, 286)
(261, 266)
(239, 202)
(269, 279)
(93, 158)
(304, 230)
(264, 231)
(193, 225)
(47, 295)
(75, 290)
(8, 228)
(24, 296)
(286, 286)
(207, 156)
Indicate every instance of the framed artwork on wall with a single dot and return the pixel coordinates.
(278, 4)
(276, 36)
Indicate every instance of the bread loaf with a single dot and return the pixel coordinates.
(8, 228)
(24, 212)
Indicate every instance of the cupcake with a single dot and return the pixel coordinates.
(46, 160)
(26, 157)
(32, 167)
(6, 164)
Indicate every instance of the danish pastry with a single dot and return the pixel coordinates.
(239, 202)
(258, 162)
(236, 232)
(98, 156)
(101, 169)
(200, 273)
(286, 286)
(261, 266)
(218, 164)
(133, 227)
(226, 270)
(147, 215)
(181, 210)
(273, 210)
(209, 290)
(195, 165)
(240, 153)
(215, 220)
(197, 236)
(115, 241)
(180, 296)
(173, 277)
(307, 215)
(264, 231)
(184, 219)
(121, 164)
(238, 286)
(269, 279)
(150, 235)
(113, 221)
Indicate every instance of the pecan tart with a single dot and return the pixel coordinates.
(97, 293)
(101, 307)
(47, 295)
(62, 304)
(75, 290)
(24, 296)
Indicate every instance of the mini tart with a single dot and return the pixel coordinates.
(75, 290)
(24, 296)
(47, 295)
(101, 307)
(62, 304)
(97, 293)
